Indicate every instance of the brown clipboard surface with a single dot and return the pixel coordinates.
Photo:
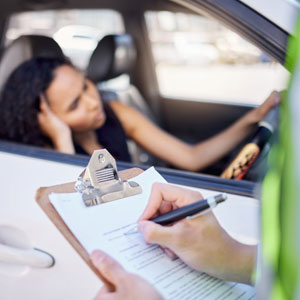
(42, 198)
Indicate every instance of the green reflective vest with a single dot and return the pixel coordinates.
(280, 278)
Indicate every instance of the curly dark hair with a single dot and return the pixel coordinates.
(20, 100)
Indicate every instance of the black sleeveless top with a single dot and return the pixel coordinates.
(111, 135)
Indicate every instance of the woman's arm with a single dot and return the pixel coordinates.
(179, 153)
(222, 143)
(151, 137)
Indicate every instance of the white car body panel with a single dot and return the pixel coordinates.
(24, 224)
(281, 12)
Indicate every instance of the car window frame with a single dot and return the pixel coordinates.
(175, 176)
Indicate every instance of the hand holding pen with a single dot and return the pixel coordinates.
(166, 207)
(201, 242)
(190, 211)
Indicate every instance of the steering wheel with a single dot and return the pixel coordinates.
(251, 161)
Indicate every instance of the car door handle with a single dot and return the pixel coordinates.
(30, 257)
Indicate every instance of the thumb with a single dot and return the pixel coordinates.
(157, 234)
(109, 268)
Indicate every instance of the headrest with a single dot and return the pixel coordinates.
(23, 48)
(113, 56)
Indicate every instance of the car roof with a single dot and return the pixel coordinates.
(8, 7)
(277, 13)
(282, 12)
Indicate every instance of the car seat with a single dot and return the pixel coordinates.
(116, 55)
(24, 48)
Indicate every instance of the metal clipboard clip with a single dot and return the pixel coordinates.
(101, 182)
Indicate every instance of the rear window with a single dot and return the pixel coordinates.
(77, 31)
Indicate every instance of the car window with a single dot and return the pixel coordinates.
(198, 58)
(76, 31)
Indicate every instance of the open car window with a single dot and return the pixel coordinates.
(198, 58)
(197, 62)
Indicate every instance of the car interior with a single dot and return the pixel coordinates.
(129, 54)
(24, 48)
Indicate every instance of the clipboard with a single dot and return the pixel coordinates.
(42, 198)
(146, 182)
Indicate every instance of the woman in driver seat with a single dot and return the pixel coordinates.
(47, 102)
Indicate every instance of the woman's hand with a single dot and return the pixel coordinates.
(126, 286)
(53, 127)
(201, 242)
(258, 114)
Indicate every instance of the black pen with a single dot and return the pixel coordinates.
(189, 211)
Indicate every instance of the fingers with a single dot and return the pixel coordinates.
(176, 196)
(44, 106)
(155, 200)
(165, 207)
(276, 96)
(170, 253)
(270, 102)
(103, 293)
(157, 234)
(108, 267)
(261, 111)
(43, 116)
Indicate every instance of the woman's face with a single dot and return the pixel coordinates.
(75, 100)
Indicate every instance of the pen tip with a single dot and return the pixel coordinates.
(220, 198)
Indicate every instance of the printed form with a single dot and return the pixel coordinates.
(103, 227)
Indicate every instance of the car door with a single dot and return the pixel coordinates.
(28, 240)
